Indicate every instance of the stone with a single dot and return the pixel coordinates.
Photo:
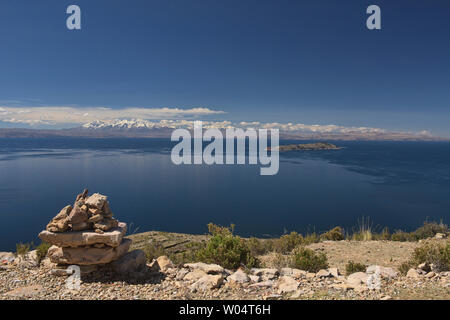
(238, 277)
(298, 274)
(430, 274)
(133, 261)
(440, 236)
(297, 294)
(263, 284)
(61, 272)
(106, 224)
(323, 273)
(25, 292)
(60, 222)
(94, 211)
(287, 284)
(286, 271)
(95, 218)
(88, 255)
(265, 273)
(194, 275)
(99, 231)
(164, 263)
(112, 238)
(412, 273)
(357, 279)
(387, 297)
(310, 275)
(254, 278)
(154, 266)
(385, 272)
(96, 200)
(6, 258)
(28, 260)
(77, 215)
(82, 195)
(80, 226)
(424, 267)
(207, 282)
(334, 272)
(181, 274)
(107, 210)
(207, 268)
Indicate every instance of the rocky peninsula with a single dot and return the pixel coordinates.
(308, 147)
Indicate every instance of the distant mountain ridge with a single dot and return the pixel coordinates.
(138, 128)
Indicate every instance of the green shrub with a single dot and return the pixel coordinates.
(335, 234)
(433, 253)
(288, 242)
(402, 236)
(405, 266)
(385, 235)
(23, 248)
(153, 251)
(311, 238)
(259, 246)
(280, 261)
(429, 230)
(352, 267)
(308, 260)
(226, 249)
(41, 251)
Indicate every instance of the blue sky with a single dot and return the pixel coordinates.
(312, 62)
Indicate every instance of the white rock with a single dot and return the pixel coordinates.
(164, 263)
(385, 272)
(207, 282)
(287, 284)
(96, 200)
(208, 268)
(111, 238)
(323, 273)
(412, 273)
(357, 279)
(238, 277)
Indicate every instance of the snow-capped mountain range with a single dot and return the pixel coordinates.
(139, 128)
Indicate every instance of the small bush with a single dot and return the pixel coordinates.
(352, 267)
(288, 242)
(311, 238)
(405, 266)
(153, 251)
(41, 251)
(23, 248)
(429, 230)
(335, 234)
(433, 253)
(227, 250)
(308, 260)
(402, 236)
(385, 235)
(259, 247)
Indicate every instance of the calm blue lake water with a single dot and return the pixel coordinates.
(396, 184)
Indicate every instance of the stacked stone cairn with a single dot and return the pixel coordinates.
(86, 234)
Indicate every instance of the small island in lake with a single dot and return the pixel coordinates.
(308, 146)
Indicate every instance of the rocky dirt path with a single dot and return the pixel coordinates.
(163, 280)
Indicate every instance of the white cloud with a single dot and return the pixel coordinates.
(70, 115)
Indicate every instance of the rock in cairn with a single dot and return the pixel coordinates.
(87, 234)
